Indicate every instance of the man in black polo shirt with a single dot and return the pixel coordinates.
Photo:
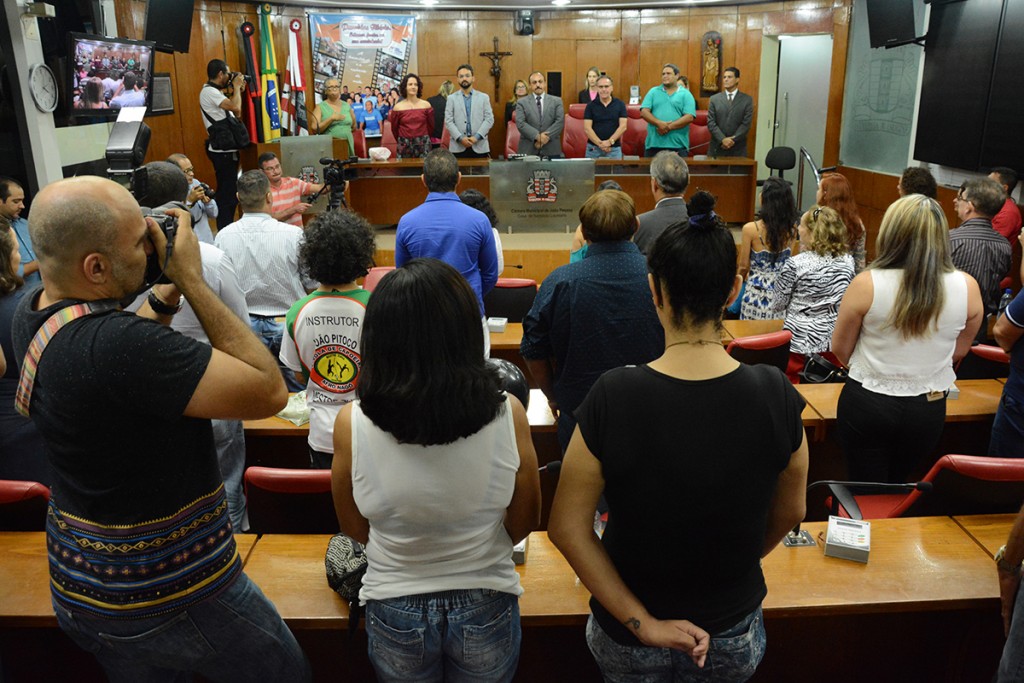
(604, 122)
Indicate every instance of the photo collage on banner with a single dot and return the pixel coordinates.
(361, 50)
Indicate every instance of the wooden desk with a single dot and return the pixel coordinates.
(508, 340)
(747, 328)
(383, 191)
(977, 401)
(988, 531)
(25, 578)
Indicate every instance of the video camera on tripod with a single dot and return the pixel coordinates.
(335, 176)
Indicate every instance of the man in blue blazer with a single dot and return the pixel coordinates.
(539, 118)
(468, 117)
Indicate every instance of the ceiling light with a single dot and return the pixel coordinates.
(428, 3)
(560, 2)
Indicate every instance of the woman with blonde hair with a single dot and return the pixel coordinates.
(902, 324)
(519, 90)
(589, 93)
(811, 285)
(835, 192)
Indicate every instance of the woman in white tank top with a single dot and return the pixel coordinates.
(902, 324)
(434, 471)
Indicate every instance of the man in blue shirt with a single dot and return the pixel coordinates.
(1008, 427)
(592, 315)
(448, 230)
(12, 202)
(668, 110)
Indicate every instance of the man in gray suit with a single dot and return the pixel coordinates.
(729, 116)
(669, 177)
(539, 118)
(468, 117)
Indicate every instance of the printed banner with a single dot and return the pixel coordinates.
(361, 50)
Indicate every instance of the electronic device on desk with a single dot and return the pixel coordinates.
(497, 324)
(634, 94)
(848, 539)
(953, 393)
(519, 551)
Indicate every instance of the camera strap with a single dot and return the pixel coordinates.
(44, 334)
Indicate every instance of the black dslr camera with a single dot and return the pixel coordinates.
(168, 224)
(207, 190)
(336, 174)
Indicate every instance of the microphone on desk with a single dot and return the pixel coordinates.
(841, 496)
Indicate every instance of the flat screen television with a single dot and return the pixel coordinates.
(169, 24)
(890, 21)
(105, 74)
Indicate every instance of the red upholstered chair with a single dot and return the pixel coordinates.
(359, 140)
(574, 138)
(387, 139)
(700, 136)
(984, 362)
(23, 505)
(446, 138)
(770, 349)
(374, 276)
(961, 485)
(511, 298)
(636, 132)
(284, 501)
(511, 137)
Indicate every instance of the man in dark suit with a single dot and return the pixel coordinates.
(669, 177)
(539, 118)
(729, 115)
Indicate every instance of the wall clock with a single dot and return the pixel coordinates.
(43, 86)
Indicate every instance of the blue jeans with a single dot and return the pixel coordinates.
(270, 333)
(235, 636)
(1007, 430)
(733, 656)
(462, 635)
(1011, 664)
(595, 152)
(229, 439)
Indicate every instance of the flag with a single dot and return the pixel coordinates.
(268, 69)
(253, 103)
(293, 89)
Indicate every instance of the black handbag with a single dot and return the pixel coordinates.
(820, 370)
(228, 134)
(346, 564)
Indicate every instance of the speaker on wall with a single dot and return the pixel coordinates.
(555, 83)
(524, 22)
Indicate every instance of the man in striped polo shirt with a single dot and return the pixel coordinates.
(975, 247)
(288, 205)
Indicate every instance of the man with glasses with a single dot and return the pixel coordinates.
(976, 248)
(289, 193)
(199, 201)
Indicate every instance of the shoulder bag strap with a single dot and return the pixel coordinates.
(43, 336)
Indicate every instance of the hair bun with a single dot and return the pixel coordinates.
(701, 208)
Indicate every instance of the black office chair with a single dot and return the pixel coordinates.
(511, 298)
(779, 159)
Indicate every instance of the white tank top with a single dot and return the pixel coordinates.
(436, 513)
(887, 363)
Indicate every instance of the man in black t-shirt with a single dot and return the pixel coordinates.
(604, 122)
(138, 533)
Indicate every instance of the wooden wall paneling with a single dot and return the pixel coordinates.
(654, 55)
(556, 54)
(749, 36)
(629, 53)
(582, 25)
(442, 43)
(796, 19)
(599, 53)
(837, 84)
(721, 19)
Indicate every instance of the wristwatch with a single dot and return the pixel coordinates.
(162, 308)
(1005, 566)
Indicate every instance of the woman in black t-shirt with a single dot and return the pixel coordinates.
(695, 499)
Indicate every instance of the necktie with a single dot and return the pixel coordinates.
(730, 97)
(540, 111)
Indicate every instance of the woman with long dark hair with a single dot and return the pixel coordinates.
(902, 324)
(765, 246)
(434, 471)
(668, 596)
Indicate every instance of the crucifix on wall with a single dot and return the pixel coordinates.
(495, 57)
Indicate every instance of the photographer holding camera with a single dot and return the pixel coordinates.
(199, 201)
(143, 562)
(216, 106)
